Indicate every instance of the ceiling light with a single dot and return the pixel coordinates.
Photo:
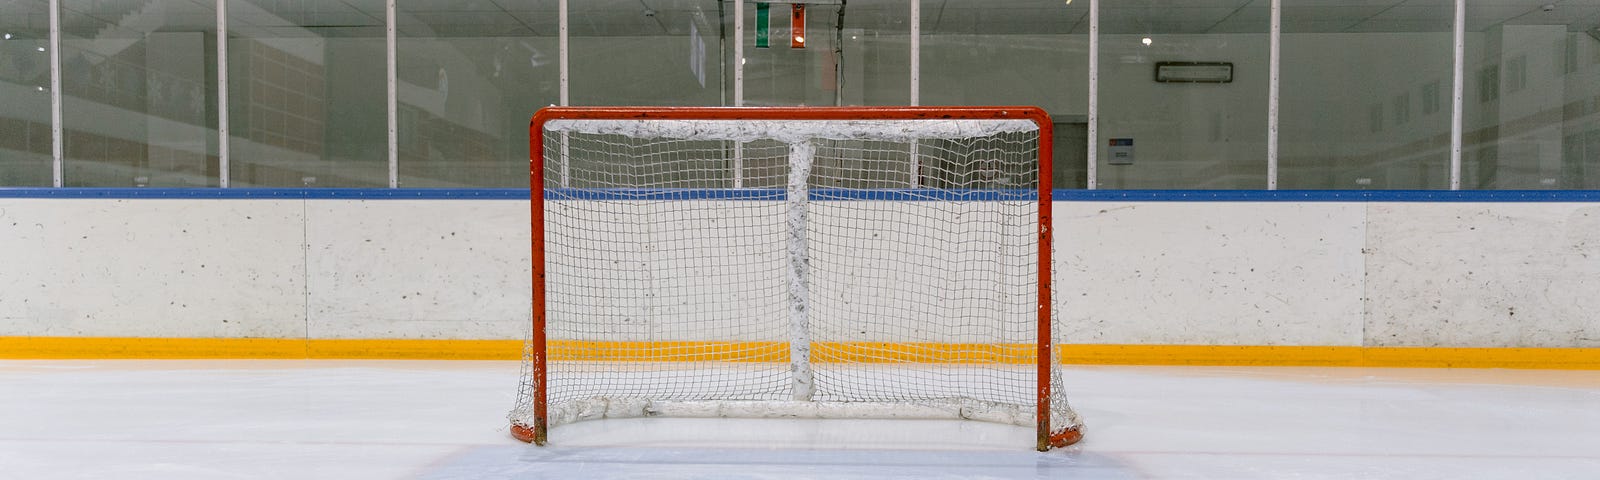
(1146, 41)
(41, 49)
(8, 36)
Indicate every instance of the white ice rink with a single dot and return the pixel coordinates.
(442, 420)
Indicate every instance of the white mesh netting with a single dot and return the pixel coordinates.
(810, 268)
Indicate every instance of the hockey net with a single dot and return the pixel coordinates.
(792, 262)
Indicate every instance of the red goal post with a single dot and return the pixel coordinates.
(539, 354)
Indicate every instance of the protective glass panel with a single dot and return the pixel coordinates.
(645, 53)
(307, 93)
(139, 93)
(1530, 110)
(25, 92)
(975, 54)
(1365, 99)
(1183, 95)
(470, 77)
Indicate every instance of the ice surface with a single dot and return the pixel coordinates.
(445, 420)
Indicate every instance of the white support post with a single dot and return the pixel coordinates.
(916, 86)
(738, 87)
(738, 53)
(562, 39)
(57, 152)
(393, 101)
(916, 52)
(1272, 93)
(800, 155)
(223, 174)
(1456, 94)
(565, 179)
(1093, 173)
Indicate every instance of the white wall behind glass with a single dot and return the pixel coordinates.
(1185, 135)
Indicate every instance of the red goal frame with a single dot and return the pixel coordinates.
(538, 433)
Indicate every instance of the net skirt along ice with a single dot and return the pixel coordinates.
(792, 263)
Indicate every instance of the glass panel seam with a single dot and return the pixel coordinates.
(393, 138)
(223, 151)
(1092, 175)
(1455, 101)
(57, 150)
(1273, 62)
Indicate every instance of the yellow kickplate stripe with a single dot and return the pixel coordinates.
(880, 352)
(1209, 355)
(1284, 356)
(415, 349)
(821, 352)
(685, 351)
(254, 348)
(148, 348)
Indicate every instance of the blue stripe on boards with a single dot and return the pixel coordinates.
(270, 193)
(1423, 196)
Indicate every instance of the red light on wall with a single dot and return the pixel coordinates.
(797, 26)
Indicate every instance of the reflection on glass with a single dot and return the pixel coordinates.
(470, 78)
(307, 93)
(627, 53)
(25, 94)
(138, 93)
(1183, 135)
(1365, 96)
(1531, 120)
(779, 74)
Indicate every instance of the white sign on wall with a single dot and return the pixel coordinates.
(1120, 152)
(697, 54)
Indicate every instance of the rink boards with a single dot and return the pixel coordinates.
(1252, 282)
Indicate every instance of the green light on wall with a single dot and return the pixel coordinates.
(761, 24)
